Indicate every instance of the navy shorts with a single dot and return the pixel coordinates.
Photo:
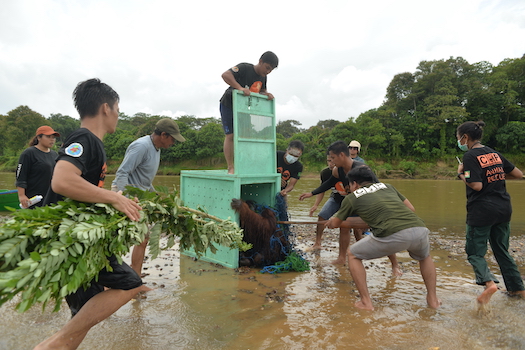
(227, 118)
(122, 277)
(329, 208)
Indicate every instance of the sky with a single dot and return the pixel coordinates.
(336, 58)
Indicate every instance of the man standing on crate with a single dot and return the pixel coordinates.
(247, 78)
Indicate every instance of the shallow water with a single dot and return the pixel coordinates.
(197, 305)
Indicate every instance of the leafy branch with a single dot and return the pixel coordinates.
(49, 252)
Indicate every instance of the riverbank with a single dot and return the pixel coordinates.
(441, 169)
(455, 247)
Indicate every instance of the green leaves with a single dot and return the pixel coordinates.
(49, 252)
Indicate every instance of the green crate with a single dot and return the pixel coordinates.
(254, 135)
(255, 177)
(212, 192)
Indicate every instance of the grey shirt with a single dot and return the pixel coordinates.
(139, 166)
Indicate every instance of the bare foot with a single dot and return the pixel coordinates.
(339, 261)
(231, 171)
(142, 292)
(313, 248)
(364, 306)
(396, 271)
(433, 302)
(490, 288)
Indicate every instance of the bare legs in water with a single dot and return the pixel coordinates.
(358, 272)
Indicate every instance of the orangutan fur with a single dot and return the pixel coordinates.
(258, 229)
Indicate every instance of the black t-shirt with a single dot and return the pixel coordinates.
(288, 170)
(85, 151)
(245, 75)
(34, 171)
(325, 174)
(339, 183)
(491, 205)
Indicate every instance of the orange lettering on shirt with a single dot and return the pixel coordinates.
(497, 177)
(489, 159)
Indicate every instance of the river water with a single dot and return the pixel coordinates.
(197, 305)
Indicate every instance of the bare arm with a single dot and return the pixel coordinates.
(351, 222)
(354, 222)
(67, 181)
(22, 197)
(230, 80)
(515, 174)
(318, 200)
(476, 186)
(409, 205)
(289, 187)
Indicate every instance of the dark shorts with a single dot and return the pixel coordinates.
(227, 118)
(330, 207)
(122, 277)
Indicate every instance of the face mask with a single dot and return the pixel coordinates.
(291, 159)
(464, 147)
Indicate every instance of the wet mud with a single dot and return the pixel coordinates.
(198, 305)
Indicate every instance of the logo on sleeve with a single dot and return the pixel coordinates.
(235, 69)
(74, 150)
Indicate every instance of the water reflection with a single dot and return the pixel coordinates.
(197, 305)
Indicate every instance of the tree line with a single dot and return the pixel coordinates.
(416, 121)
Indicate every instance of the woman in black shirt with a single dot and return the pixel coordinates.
(35, 166)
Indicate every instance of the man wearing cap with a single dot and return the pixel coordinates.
(355, 147)
(35, 166)
(139, 167)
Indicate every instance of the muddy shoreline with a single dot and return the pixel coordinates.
(455, 247)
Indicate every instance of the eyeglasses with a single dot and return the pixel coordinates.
(357, 148)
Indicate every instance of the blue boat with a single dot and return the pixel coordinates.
(9, 198)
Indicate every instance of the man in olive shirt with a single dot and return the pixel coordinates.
(395, 227)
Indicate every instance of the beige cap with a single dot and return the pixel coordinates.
(355, 143)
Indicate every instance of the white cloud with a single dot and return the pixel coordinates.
(336, 57)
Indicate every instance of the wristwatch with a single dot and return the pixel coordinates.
(459, 175)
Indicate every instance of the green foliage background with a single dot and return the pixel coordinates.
(414, 126)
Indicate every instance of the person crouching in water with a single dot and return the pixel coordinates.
(395, 227)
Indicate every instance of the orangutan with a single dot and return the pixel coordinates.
(269, 243)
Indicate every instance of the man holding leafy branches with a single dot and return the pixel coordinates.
(79, 174)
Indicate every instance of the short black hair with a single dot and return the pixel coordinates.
(362, 175)
(339, 147)
(89, 95)
(296, 144)
(270, 58)
(473, 129)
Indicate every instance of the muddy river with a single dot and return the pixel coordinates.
(198, 305)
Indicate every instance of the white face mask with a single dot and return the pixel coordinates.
(291, 159)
